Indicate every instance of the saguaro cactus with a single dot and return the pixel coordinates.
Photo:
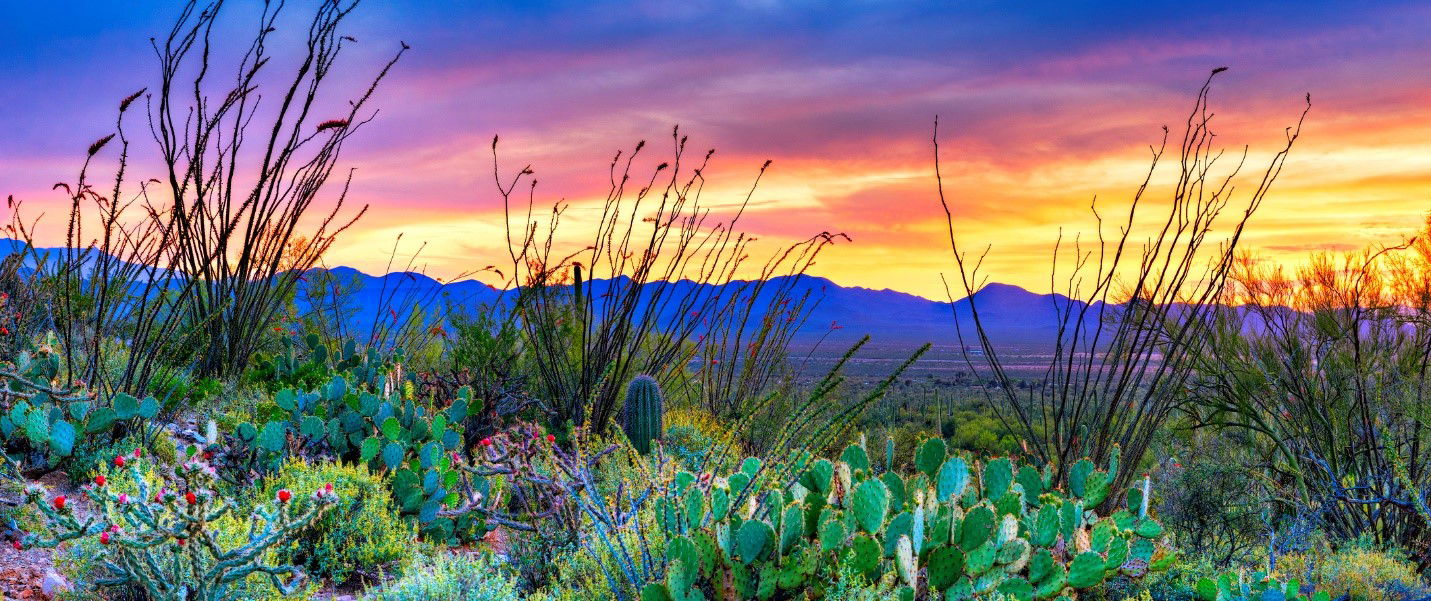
(643, 413)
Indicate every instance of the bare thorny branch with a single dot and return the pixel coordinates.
(1122, 354)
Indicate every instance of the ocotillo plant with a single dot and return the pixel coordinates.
(163, 541)
(642, 415)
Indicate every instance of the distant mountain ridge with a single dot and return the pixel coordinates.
(841, 313)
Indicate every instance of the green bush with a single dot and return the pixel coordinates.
(1361, 573)
(449, 577)
(364, 532)
(92, 459)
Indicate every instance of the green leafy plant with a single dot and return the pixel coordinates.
(364, 534)
(450, 577)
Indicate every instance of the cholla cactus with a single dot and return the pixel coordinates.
(162, 540)
(525, 467)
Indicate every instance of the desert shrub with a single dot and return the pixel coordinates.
(692, 434)
(361, 534)
(449, 577)
(851, 586)
(1358, 571)
(92, 459)
(1177, 583)
(1208, 500)
(578, 576)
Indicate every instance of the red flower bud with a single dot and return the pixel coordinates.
(18, 545)
(99, 480)
(284, 496)
(181, 541)
(60, 502)
(118, 461)
(208, 455)
(551, 438)
(486, 442)
(104, 537)
(136, 453)
(191, 498)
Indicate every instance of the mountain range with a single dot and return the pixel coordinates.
(838, 313)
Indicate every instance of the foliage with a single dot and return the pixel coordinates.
(1257, 586)
(166, 542)
(960, 529)
(692, 435)
(1360, 573)
(1209, 501)
(449, 577)
(1325, 371)
(362, 534)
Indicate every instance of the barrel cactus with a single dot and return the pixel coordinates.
(643, 413)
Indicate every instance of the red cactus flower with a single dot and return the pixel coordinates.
(4, 332)
(284, 496)
(208, 455)
(18, 545)
(328, 488)
(191, 498)
(181, 541)
(137, 452)
(123, 498)
(118, 461)
(551, 438)
(104, 538)
(486, 442)
(60, 502)
(99, 480)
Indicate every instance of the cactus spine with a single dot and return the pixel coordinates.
(643, 413)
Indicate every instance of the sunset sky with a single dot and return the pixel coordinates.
(1042, 106)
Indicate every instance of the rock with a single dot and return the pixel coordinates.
(54, 583)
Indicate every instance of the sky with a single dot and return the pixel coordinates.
(1043, 106)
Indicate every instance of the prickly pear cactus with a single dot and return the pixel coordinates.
(642, 416)
(42, 419)
(365, 415)
(954, 529)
